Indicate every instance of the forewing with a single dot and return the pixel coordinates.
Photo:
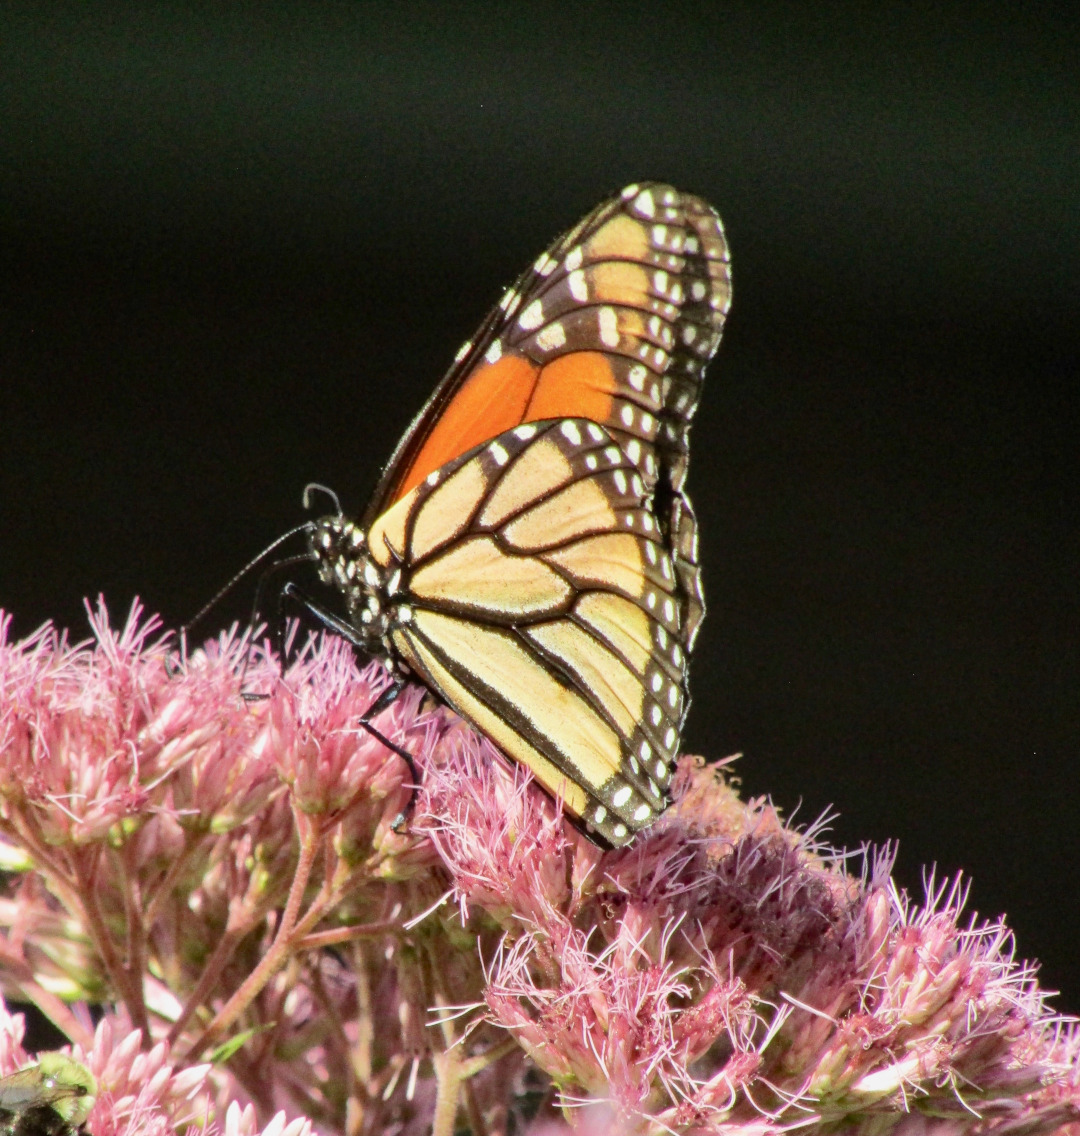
(615, 323)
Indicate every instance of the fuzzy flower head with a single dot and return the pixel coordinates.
(288, 919)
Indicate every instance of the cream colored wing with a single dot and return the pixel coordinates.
(537, 595)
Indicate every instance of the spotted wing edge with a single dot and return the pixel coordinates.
(534, 280)
(634, 797)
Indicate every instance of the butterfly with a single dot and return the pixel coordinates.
(530, 553)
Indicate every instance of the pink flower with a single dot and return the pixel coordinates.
(257, 881)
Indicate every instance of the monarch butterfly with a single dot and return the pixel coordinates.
(529, 553)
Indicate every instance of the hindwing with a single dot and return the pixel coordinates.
(538, 596)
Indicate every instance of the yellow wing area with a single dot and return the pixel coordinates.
(532, 603)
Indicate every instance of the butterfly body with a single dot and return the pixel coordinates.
(530, 553)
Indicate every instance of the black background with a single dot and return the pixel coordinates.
(239, 247)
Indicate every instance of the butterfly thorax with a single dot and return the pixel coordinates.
(340, 550)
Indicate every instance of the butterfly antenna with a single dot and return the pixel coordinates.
(280, 627)
(250, 566)
(313, 487)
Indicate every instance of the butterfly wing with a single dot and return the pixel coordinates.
(616, 323)
(536, 593)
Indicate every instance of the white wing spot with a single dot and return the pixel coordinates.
(626, 415)
(656, 714)
(689, 334)
(570, 432)
(620, 481)
(600, 814)
(619, 831)
(654, 326)
(645, 204)
(636, 486)
(579, 287)
(621, 796)
(544, 265)
(642, 813)
(595, 432)
(659, 234)
(609, 327)
(661, 771)
(671, 738)
(524, 433)
(636, 377)
(654, 789)
(532, 317)
(691, 244)
(650, 552)
(463, 350)
(613, 455)
(657, 682)
(648, 423)
(698, 289)
(645, 751)
(650, 601)
(573, 259)
(647, 523)
(660, 281)
(661, 635)
(498, 453)
(509, 300)
(432, 478)
(590, 461)
(404, 614)
(494, 352)
(669, 611)
(552, 337)
(673, 696)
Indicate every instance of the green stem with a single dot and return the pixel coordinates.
(282, 946)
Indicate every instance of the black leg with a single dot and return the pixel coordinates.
(292, 595)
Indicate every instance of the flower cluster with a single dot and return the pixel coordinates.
(276, 928)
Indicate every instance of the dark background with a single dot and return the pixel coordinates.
(238, 250)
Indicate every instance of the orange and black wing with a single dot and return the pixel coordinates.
(614, 323)
(535, 591)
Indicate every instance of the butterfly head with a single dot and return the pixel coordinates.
(339, 548)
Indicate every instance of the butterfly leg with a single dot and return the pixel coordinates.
(291, 595)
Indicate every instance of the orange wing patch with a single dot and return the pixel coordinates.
(492, 399)
(574, 386)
